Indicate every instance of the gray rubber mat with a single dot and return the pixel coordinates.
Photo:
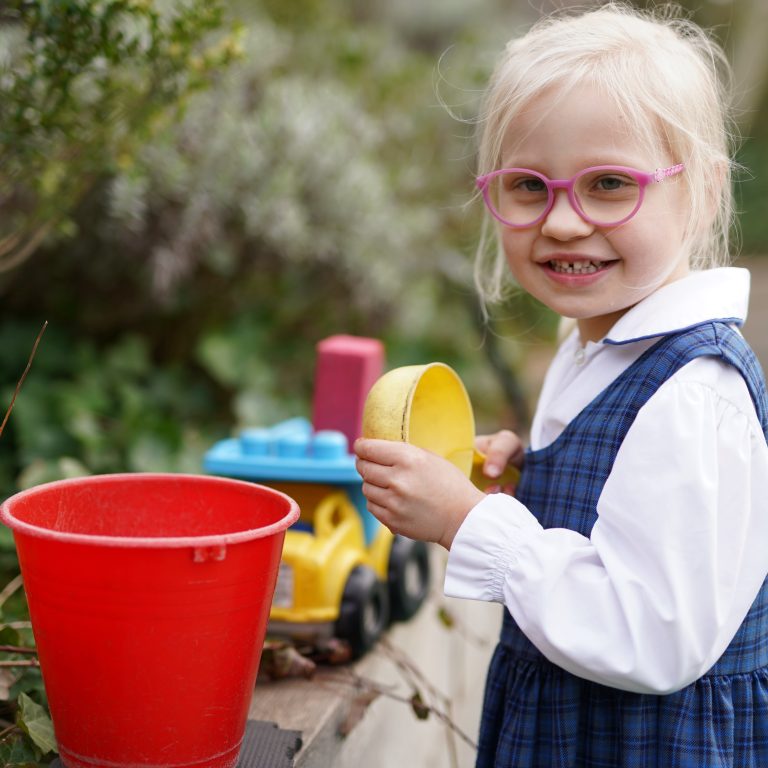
(264, 746)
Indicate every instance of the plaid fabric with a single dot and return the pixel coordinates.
(536, 715)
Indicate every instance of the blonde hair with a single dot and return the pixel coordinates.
(667, 77)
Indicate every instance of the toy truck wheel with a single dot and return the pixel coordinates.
(364, 612)
(408, 577)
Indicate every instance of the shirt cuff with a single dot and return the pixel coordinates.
(485, 547)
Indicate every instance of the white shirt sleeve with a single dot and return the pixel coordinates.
(652, 598)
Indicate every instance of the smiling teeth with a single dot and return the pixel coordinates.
(576, 268)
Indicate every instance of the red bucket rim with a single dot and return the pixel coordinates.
(151, 542)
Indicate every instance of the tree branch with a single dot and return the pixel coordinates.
(10, 258)
(10, 729)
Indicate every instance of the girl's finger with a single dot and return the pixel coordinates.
(505, 448)
(380, 513)
(379, 451)
(373, 474)
(375, 495)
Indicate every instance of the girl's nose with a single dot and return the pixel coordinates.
(563, 222)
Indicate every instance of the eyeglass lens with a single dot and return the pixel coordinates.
(604, 196)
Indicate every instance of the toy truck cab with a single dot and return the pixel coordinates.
(342, 573)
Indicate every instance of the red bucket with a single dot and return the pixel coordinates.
(149, 596)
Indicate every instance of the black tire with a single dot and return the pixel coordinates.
(364, 611)
(408, 577)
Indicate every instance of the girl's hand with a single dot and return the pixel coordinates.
(414, 492)
(500, 449)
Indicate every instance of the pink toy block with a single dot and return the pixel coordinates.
(346, 369)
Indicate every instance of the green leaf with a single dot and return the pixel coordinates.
(41, 471)
(17, 753)
(29, 682)
(445, 617)
(420, 709)
(6, 539)
(9, 636)
(35, 722)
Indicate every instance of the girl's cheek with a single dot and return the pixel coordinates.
(516, 265)
(510, 254)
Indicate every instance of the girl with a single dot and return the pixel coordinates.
(632, 561)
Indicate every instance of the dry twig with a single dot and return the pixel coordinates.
(17, 649)
(9, 589)
(23, 376)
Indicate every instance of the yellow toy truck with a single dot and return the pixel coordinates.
(342, 573)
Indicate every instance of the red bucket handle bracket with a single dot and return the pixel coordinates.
(204, 554)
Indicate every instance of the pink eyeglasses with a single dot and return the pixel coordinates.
(604, 195)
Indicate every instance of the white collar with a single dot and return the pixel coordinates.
(711, 294)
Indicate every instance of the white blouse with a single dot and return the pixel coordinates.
(679, 551)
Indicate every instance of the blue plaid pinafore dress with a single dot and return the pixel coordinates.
(537, 715)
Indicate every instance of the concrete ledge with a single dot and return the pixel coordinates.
(344, 724)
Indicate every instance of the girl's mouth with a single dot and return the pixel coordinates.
(576, 267)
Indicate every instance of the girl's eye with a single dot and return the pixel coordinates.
(527, 184)
(611, 183)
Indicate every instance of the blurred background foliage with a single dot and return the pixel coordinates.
(194, 193)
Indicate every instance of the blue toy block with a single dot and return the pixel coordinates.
(291, 451)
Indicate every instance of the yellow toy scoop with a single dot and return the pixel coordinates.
(428, 406)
